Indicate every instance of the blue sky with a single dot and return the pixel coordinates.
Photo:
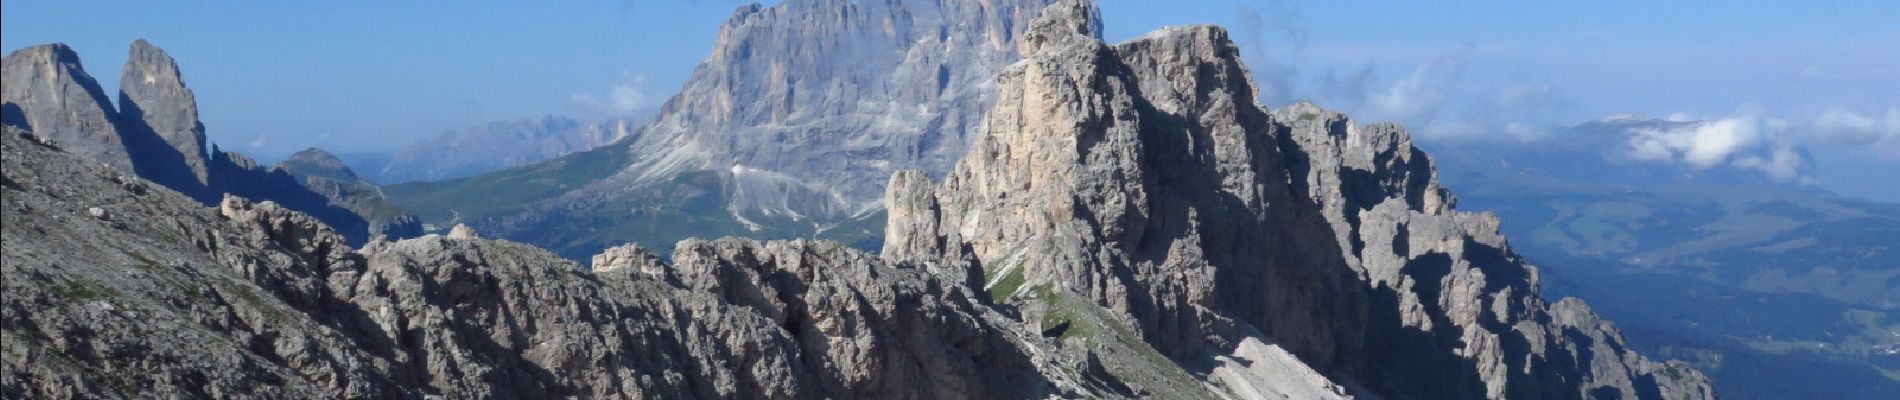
(274, 77)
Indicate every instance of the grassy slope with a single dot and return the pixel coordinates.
(690, 205)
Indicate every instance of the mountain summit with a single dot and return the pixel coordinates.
(788, 129)
(1127, 223)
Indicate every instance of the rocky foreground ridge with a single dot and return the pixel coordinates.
(155, 133)
(1129, 224)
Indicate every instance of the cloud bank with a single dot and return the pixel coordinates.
(1766, 144)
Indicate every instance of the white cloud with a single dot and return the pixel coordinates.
(1766, 144)
(1703, 145)
(1782, 164)
(1877, 132)
(625, 97)
(1417, 96)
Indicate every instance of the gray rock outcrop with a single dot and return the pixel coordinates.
(1142, 178)
(156, 134)
(48, 92)
(153, 99)
(1128, 224)
(255, 300)
(1445, 282)
(789, 128)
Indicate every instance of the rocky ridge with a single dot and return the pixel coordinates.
(158, 296)
(154, 100)
(156, 134)
(1141, 178)
(1128, 224)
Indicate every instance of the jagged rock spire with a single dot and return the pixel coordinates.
(1064, 22)
(153, 98)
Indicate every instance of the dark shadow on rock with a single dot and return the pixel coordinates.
(156, 159)
(11, 115)
(240, 176)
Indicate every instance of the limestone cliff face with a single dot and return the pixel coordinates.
(1128, 224)
(1143, 178)
(1456, 313)
(154, 100)
(156, 135)
(1140, 176)
(838, 93)
(49, 93)
(791, 126)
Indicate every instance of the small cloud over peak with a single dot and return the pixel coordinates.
(628, 95)
(1744, 142)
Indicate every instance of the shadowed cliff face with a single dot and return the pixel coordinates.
(49, 93)
(155, 102)
(156, 135)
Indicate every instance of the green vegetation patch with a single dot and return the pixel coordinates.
(79, 290)
(1001, 291)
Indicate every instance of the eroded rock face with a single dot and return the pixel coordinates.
(251, 299)
(1142, 177)
(49, 93)
(790, 128)
(1455, 312)
(1129, 224)
(156, 134)
(154, 100)
(169, 297)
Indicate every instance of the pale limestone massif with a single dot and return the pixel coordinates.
(1129, 223)
(1142, 178)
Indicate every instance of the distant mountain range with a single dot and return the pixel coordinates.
(1764, 281)
(490, 147)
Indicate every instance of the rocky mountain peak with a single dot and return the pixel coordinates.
(789, 128)
(1064, 22)
(48, 92)
(1061, 23)
(154, 100)
(1143, 179)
